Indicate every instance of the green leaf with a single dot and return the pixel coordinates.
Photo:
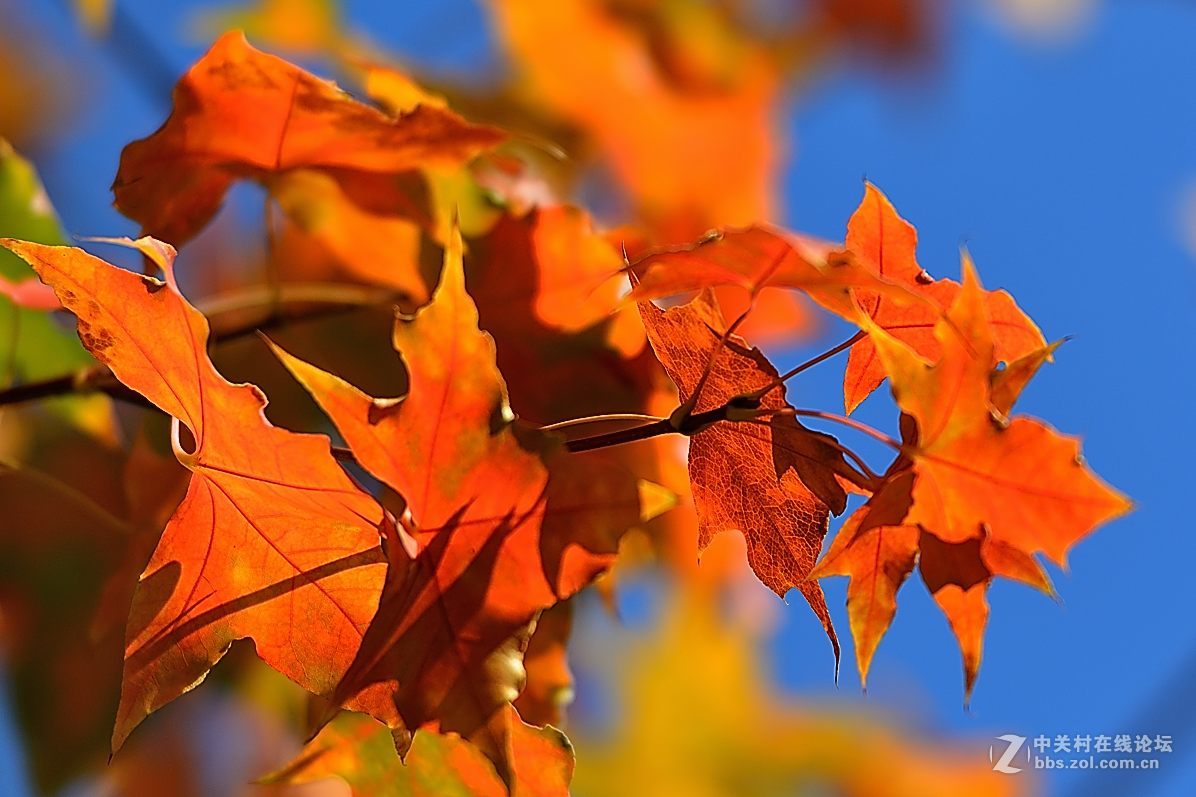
(33, 345)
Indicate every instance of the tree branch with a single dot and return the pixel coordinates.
(299, 302)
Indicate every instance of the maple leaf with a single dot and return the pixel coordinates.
(535, 278)
(1021, 480)
(272, 539)
(505, 523)
(574, 287)
(885, 243)
(34, 346)
(759, 257)
(973, 495)
(324, 223)
(240, 113)
(549, 687)
(542, 285)
(877, 550)
(360, 752)
(775, 482)
(958, 575)
(1007, 383)
(776, 315)
(642, 114)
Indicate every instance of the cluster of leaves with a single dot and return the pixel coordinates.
(530, 434)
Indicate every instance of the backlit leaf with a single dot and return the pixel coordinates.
(272, 540)
(504, 522)
(884, 242)
(759, 479)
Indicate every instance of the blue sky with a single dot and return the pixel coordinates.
(1064, 169)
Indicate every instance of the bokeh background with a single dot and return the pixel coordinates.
(1053, 139)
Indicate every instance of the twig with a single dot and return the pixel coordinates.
(690, 425)
(297, 305)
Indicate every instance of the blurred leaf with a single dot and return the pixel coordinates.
(242, 114)
(697, 718)
(32, 345)
(361, 752)
(299, 26)
(678, 105)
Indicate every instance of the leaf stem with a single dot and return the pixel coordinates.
(850, 423)
(826, 355)
(871, 476)
(611, 418)
(680, 415)
(695, 423)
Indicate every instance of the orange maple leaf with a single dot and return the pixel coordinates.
(973, 494)
(506, 524)
(1021, 480)
(536, 279)
(272, 540)
(884, 242)
(877, 550)
(240, 113)
(543, 288)
(759, 257)
(644, 97)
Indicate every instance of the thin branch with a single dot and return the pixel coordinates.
(621, 436)
(300, 302)
(690, 425)
(32, 391)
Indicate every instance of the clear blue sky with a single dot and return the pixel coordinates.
(1064, 169)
